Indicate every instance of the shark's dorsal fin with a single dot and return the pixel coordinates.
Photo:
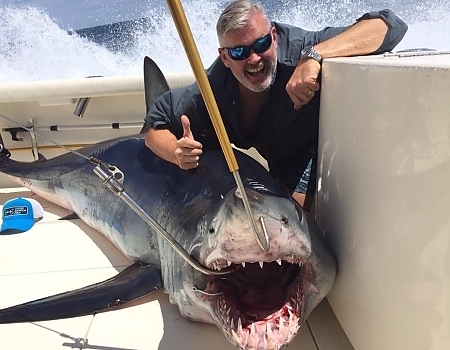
(132, 283)
(155, 84)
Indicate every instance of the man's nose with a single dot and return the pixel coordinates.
(254, 57)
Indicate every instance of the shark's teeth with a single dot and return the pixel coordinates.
(281, 325)
(221, 264)
(270, 335)
(273, 334)
(239, 325)
(236, 338)
(268, 331)
(222, 304)
(264, 342)
(270, 342)
(227, 316)
(291, 317)
(253, 337)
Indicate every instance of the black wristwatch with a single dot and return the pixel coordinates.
(310, 52)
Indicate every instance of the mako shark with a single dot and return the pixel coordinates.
(262, 300)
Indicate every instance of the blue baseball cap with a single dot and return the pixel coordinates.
(19, 215)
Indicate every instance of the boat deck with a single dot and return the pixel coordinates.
(59, 255)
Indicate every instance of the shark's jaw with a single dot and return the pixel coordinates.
(261, 304)
(259, 307)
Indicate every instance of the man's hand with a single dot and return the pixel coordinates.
(188, 151)
(303, 84)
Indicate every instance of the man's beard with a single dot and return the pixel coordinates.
(261, 87)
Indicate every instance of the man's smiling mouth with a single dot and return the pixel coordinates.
(256, 71)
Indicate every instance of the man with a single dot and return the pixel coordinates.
(266, 85)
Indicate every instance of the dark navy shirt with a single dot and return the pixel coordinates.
(282, 132)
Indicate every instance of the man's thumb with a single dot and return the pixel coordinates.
(186, 127)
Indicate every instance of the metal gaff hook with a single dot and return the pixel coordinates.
(113, 178)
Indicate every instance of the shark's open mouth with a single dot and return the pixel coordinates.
(261, 307)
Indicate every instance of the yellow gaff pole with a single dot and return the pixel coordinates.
(205, 89)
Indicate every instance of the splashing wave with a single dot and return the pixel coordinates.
(34, 47)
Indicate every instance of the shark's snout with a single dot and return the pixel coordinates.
(263, 303)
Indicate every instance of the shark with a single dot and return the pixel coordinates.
(197, 244)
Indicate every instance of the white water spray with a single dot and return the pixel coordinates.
(35, 47)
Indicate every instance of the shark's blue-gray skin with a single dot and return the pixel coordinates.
(255, 307)
(259, 306)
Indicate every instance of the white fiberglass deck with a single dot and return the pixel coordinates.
(60, 255)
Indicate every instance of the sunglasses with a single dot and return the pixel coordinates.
(240, 53)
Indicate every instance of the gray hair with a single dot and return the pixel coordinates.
(236, 16)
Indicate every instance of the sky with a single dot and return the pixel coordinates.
(77, 14)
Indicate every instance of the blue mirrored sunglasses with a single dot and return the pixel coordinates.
(261, 45)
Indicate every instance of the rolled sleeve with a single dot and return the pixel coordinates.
(161, 113)
(157, 114)
(396, 28)
(166, 111)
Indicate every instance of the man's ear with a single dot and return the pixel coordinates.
(274, 34)
(224, 57)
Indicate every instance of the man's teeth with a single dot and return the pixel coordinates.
(256, 70)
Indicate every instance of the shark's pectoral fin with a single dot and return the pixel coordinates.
(134, 282)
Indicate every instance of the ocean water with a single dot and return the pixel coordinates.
(34, 46)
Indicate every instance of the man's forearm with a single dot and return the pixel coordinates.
(162, 143)
(363, 38)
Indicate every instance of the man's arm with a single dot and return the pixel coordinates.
(164, 129)
(163, 143)
(184, 152)
(374, 32)
(364, 37)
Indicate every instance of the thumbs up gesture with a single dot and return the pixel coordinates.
(188, 151)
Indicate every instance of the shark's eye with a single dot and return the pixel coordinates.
(285, 220)
(211, 230)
